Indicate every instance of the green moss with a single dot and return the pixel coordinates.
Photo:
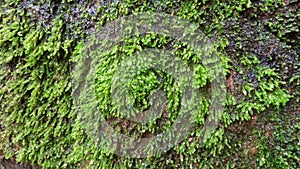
(36, 60)
(282, 136)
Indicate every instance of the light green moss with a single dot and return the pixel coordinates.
(36, 98)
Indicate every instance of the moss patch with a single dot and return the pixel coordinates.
(258, 43)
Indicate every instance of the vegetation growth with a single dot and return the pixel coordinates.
(257, 41)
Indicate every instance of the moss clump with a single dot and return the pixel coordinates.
(40, 43)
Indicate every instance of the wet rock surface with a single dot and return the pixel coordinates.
(12, 164)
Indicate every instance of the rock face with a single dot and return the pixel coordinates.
(11, 164)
